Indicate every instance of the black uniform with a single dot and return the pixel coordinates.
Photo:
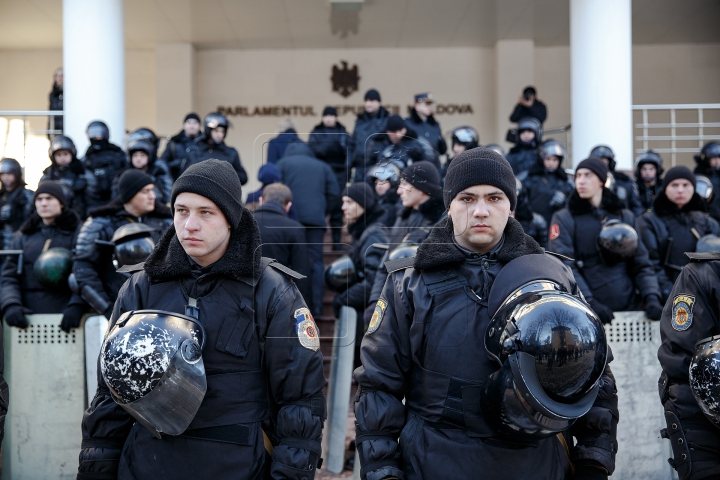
(402, 154)
(205, 149)
(697, 289)
(542, 189)
(56, 103)
(523, 156)
(24, 289)
(532, 223)
(73, 181)
(160, 173)
(667, 234)
(426, 346)
(428, 131)
(646, 194)
(627, 190)
(262, 374)
(176, 151)
(102, 163)
(537, 110)
(573, 233)
(93, 264)
(368, 128)
(15, 208)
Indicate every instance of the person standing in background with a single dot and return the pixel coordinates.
(56, 103)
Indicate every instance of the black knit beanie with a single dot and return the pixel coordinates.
(479, 166)
(53, 188)
(191, 116)
(679, 172)
(217, 181)
(595, 165)
(395, 123)
(424, 176)
(372, 94)
(361, 193)
(131, 182)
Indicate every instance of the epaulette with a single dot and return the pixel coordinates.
(703, 256)
(287, 271)
(561, 257)
(381, 246)
(131, 268)
(399, 264)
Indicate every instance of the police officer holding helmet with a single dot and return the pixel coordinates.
(441, 339)
(37, 281)
(241, 393)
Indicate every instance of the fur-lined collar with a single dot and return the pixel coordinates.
(611, 203)
(370, 216)
(662, 206)
(116, 208)
(439, 250)
(68, 221)
(416, 118)
(241, 261)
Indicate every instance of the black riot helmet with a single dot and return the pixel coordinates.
(553, 147)
(708, 151)
(603, 151)
(649, 157)
(466, 136)
(52, 268)
(708, 244)
(617, 241)
(341, 274)
(704, 378)
(152, 363)
(98, 129)
(141, 145)
(703, 187)
(213, 121)
(10, 165)
(133, 244)
(387, 172)
(146, 134)
(61, 142)
(404, 250)
(550, 346)
(533, 124)
(496, 148)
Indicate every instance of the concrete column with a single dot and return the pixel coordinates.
(94, 64)
(515, 70)
(601, 78)
(174, 85)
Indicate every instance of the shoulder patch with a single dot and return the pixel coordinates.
(377, 316)
(682, 315)
(307, 331)
(554, 231)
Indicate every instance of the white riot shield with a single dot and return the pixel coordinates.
(45, 371)
(95, 331)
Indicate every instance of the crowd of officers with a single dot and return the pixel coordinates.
(108, 209)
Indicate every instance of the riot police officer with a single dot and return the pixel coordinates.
(523, 156)
(103, 160)
(608, 279)
(178, 145)
(16, 201)
(261, 387)
(430, 343)
(621, 185)
(462, 138)
(400, 146)
(690, 324)
(39, 284)
(648, 177)
(546, 184)
(142, 156)
(94, 271)
(677, 221)
(212, 145)
(385, 178)
(67, 170)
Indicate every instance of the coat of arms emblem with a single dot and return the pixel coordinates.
(345, 80)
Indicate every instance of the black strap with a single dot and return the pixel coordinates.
(287, 271)
(100, 443)
(399, 264)
(316, 404)
(374, 435)
(302, 443)
(235, 434)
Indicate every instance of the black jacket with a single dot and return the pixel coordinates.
(532, 223)
(647, 194)
(537, 110)
(15, 208)
(204, 150)
(429, 131)
(278, 145)
(426, 341)
(259, 375)
(667, 234)
(176, 151)
(331, 145)
(160, 173)
(523, 157)
(312, 182)
(56, 103)
(101, 167)
(284, 240)
(405, 152)
(367, 129)
(627, 190)
(73, 181)
(390, 203)
(574, 233)
(542, 189)
(701, 281)
(24, 289)
(93, 264)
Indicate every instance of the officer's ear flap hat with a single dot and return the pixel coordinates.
(479, 166)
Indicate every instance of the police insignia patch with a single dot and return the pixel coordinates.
(377, 315)
(682, 312)
(307, 331)
(554, 231)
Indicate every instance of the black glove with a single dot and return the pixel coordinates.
(339, 301)
(653, 308)
(589, 472)
(71, 317)
(558, 200)
(15, 316)
(604, 313)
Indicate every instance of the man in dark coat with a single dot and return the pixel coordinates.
(53, 225)
(93, 266)
(369, 125)
(68, 171)
(622, 185)
(212, 145)
(362, 215)
(103, 160)
(176, 148)
(529, 106)
(314, 189)
(690, 316)
(399, 146)
(277, 145)
(16, 201)
(677, 221)
(428, 130)
(56, 102)
(648, 177)
(523, 156)
(283, 238)
(261, 358)
(426, 343)
(330, 142)
(608, 286)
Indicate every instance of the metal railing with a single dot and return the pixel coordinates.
(676, 129)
